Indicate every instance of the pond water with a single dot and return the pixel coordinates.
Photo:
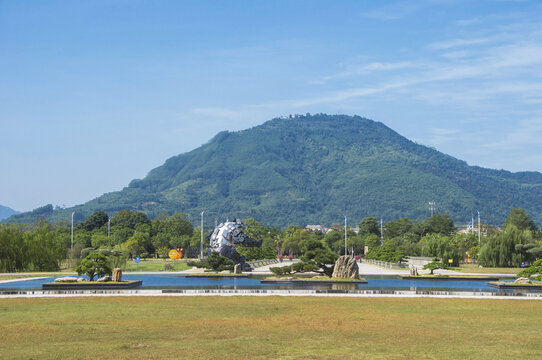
(376, 282)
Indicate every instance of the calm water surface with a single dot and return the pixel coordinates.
(378, 282)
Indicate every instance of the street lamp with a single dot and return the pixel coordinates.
(201, 244)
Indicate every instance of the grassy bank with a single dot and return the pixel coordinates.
(269, 328)
(154, 265)
(475, 269)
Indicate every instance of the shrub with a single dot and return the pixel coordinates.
(168, 267)
(283, 270)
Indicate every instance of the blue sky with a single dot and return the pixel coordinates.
(96, 93)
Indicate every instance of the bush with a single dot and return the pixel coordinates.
(215, 262)
(283, 270)
(536, 268)
(168, 267)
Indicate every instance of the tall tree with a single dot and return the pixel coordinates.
(521, 220)
(369, 226)
(440, 224)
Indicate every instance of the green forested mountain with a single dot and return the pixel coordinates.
(316, 169)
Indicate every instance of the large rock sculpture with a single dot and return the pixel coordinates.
(346, 267)
(117, 275)
(226, 236)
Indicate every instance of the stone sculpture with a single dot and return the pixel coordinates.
(117, 275)
(346, 267)
(226, 236)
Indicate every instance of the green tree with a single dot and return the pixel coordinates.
(372, 241)
(440, 224)
(500, 249)
(521, 220)
(396, 228)
(94, 264)
(94, 221)
(536, 268)
(369, 226)
(435, 265)
(437, 245)
(215, 262)
(316, 256)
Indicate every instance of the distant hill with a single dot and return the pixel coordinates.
(314, 170)
(6, 212)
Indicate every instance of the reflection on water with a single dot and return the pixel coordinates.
(377, 283)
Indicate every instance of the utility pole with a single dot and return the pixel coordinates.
(479, 232)
(345, 249)
(381, 232)
(71, 247)
(201, 244)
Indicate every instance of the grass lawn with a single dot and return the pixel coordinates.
(269, 328)
(154, 265)
(473, 268)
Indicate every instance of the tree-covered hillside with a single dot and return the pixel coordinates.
(316, 169)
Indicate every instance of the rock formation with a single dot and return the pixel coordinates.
(346, 267)
(117, 274)
(522, 281)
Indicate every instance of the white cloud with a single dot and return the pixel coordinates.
(457, 43)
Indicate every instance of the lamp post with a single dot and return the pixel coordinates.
(201, 244)
(71, 246)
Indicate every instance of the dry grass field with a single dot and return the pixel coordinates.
(269, 328)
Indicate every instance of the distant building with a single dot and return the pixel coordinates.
(320, 228)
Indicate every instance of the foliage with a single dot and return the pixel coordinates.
(318, 257)
(281, 270)
(215, 262)
(94, 264)
(536, 268)
(94, 221)
(500, 249)
(369, 226)
(519, 219)
(435, 265)
(440, 224)
(437, 245)
(39, 250)
(385, 253)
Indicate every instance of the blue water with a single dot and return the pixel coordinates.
(383, 283)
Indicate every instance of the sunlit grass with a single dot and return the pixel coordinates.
(269, 328)
(154, 265)
(475, 269)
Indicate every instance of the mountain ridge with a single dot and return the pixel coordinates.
(6, 212)
(317, 169)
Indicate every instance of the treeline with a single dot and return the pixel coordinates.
(43, 246)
